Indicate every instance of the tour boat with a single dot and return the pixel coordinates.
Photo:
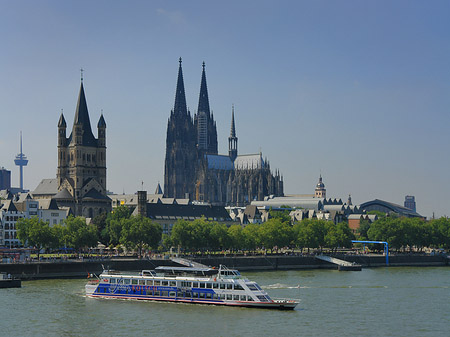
(220, 286)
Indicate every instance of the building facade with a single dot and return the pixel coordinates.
(193, 168)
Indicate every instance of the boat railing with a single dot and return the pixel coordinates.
(285, 300)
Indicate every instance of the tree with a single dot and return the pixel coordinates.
(339, 235)
(237, 237)
(35, 232)
(139, 231)
(310, 233)
(219, 236)
(275, 233)
(252, 238)
(283, 215)
(78, 234)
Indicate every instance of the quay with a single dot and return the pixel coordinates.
(81, 269)
(342, 265)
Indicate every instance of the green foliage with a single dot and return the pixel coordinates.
(310, 233)
(378, 213)
(252, 237)
(78, 234)
(138, 232)
(282, 215)
(275, 233)
(237, 237)
(35, 232)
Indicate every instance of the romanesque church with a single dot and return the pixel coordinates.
(81, 174)
(193, 168)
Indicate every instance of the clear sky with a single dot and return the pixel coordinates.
(356, 90)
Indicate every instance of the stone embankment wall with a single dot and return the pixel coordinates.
(81, 269)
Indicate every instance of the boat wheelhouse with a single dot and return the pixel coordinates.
(221, 286)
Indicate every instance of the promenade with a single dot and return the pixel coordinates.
(78, 268)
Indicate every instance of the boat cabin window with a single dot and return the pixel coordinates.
(222, 286)
(209, 285)
(252, 287)
(185, 284)
(165, 283)
(195, 295)
(202, 284)
(249, 298)
(229, 297)
(215, 285)
(156, 293)
(208, 295)
(126, 281)
(215, 296)
(236, 297)
(173, 283)
(194, 284)
(238, 287)
(134, 281)
(157, 282)
(172, 294)
(113, 280)
(164, 293)
(243, 298)
(229, 286)
(141, 282)
(262, 298)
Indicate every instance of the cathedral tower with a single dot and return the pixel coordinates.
(181, 150)
(204, 121)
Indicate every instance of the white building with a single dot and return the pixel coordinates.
(26, 207)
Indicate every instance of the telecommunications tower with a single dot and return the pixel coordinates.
(21, 161)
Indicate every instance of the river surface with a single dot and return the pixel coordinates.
(400, 301)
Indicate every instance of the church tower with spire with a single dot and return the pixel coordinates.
(81, 172)
(204, 121)
(181, 149)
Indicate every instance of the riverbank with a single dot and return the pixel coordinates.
(81, 269)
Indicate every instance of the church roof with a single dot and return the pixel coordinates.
(47, 187)
(82, 118)
(219, 162)
(249, 161)
(94, 194)
(63, 194)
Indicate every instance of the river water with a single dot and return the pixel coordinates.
(399, 301)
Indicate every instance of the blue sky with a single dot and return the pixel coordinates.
(355, 90)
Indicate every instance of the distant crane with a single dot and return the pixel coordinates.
(21, 161)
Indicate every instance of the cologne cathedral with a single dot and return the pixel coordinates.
(193, 168)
